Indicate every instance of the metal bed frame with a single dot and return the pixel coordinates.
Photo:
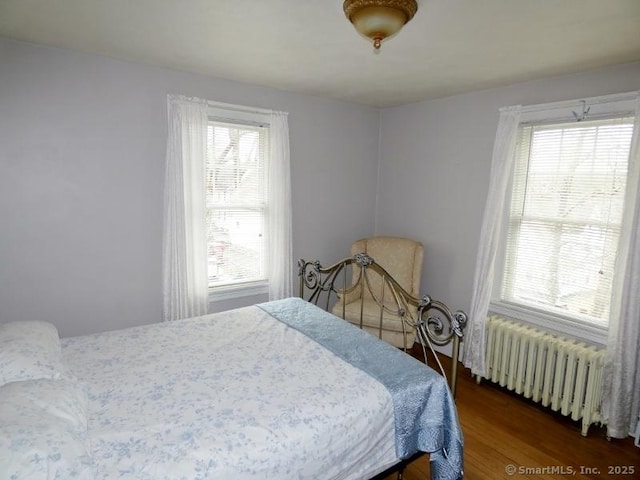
(434, 323)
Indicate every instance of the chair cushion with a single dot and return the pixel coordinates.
(371, 316)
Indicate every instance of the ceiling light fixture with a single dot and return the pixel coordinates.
(379, 19)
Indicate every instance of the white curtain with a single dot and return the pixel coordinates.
(185, 282)
(280, 252)
(501, 167)
(621, 405)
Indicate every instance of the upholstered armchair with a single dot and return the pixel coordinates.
(402, 259)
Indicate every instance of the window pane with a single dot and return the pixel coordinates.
(235, 170)
(566, 268)
(235, 246)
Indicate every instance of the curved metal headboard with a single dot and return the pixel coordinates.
(433, 321)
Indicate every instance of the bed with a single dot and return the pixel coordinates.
(278, 390)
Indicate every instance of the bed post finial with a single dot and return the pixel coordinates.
(363, 259)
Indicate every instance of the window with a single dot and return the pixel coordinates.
(227, 199)
(564, 221)
(236, 202)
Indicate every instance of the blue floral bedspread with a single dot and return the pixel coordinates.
(425, 415)
(237, 395)
(282, 390)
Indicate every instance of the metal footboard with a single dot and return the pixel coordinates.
(433, 323)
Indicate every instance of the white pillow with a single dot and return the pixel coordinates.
(29, 350)
(43, 431)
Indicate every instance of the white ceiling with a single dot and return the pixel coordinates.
(309, 47)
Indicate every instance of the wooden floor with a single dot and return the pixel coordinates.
(508, 437)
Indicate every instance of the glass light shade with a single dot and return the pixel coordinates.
(379, 19)
(378, 23)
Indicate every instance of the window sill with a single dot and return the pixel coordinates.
(586, 332)
(240, 290)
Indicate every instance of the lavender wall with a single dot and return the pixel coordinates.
(82, 147)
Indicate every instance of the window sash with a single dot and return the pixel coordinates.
(517, 284)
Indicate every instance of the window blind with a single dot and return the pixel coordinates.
(236, 200)
(565, 216)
